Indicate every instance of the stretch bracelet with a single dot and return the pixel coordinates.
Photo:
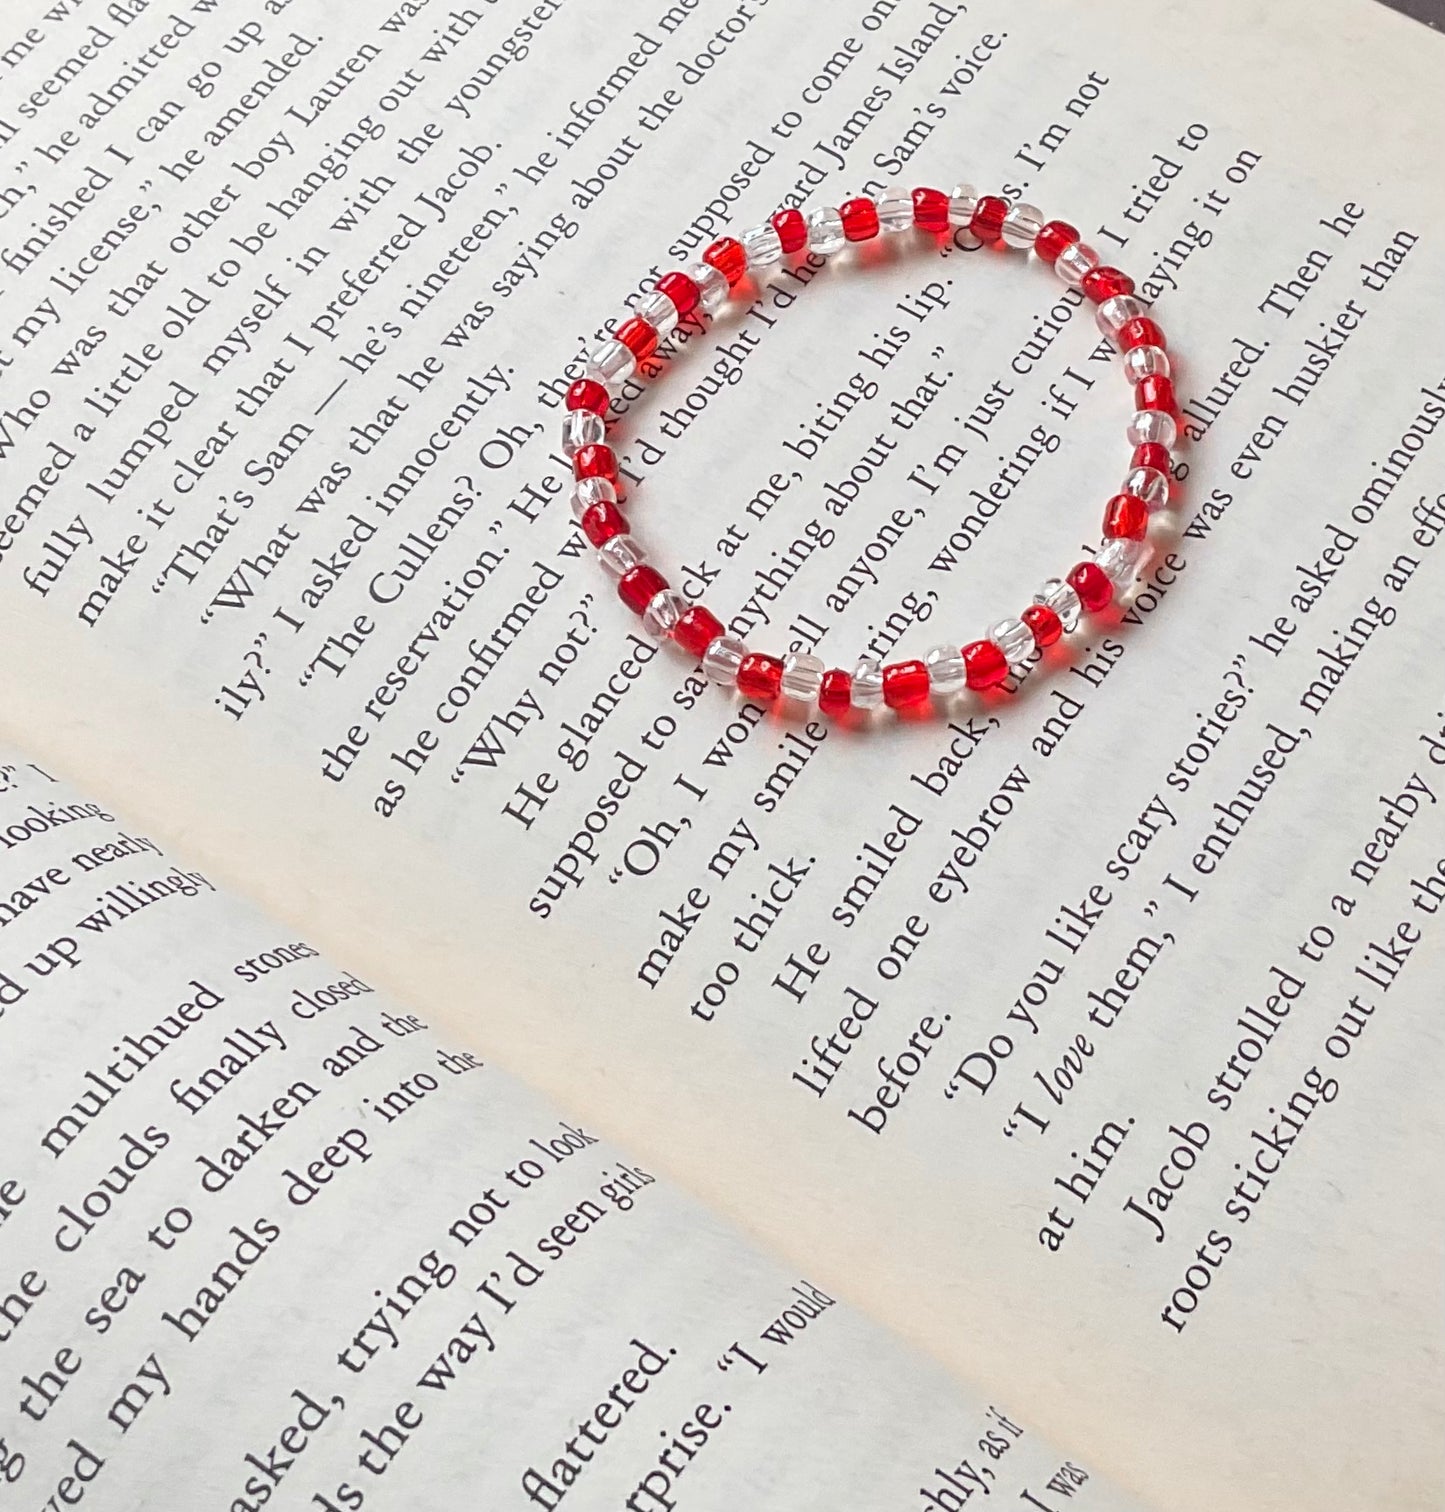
(1010, 645)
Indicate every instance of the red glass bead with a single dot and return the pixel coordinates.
(988, 214)
(984, 665)
(587, 394)
(1053, 238)
(1141, 331)
(639, 586)
(638, 336)
(860, 219)
(595, 461)
(1151, 454)
(792, 229)
(1091, 583)
(681, 290)
(1105, 283)
(930, 210)
(905, 684)
(835, 697)
(1044, 624)
(602, 521)
(1156, 392)
(729, 257)
(696, 629)
(760, 676)
(1126, 515)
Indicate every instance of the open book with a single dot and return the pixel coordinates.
(452, 1057)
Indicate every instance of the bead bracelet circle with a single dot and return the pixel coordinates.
(1010, 645)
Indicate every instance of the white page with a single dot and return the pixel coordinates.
(935, 1225)
(267, 1241)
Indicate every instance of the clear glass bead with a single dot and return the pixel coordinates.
(1149, 484)
(895, 210)
(1022, 225)
(620, 555)
(946, 672)
(611, 365)
(711, 285)
(868, 683)
(658, 311)
(962, 202)
(581, 428)
(1122, 561)
(802, 677)
(1115, 313)
(1075, 261)
(1061, 598)
(1152, 426)
(1014, 639)
(589, 491)
(663, 611)
(825, 231)
(763, 245)
(723, 657)
(1145, 362)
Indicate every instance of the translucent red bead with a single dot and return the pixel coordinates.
(930, 210)
(1151, 454)
(835, 697)
(587, 394)
(1091, 583)
(860, 219)
(638, 336)
(1156, 392)
(987, 220)
(984, 665)
(760, 676)
(1141, 331)
(681, 290)
(1054, 236)
(1045, 626)
(602, 521)
(1106, 283)
(905, 684)
(792, 229)
(1127, 516)
(595, 461)
(639, 586)
(696, 629)
(729, 257)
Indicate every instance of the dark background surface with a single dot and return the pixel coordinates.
(1431, 12)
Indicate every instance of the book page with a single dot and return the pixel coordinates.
(267, 1241)
(1084, 1037)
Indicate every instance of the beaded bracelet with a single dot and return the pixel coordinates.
(1010, 645)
